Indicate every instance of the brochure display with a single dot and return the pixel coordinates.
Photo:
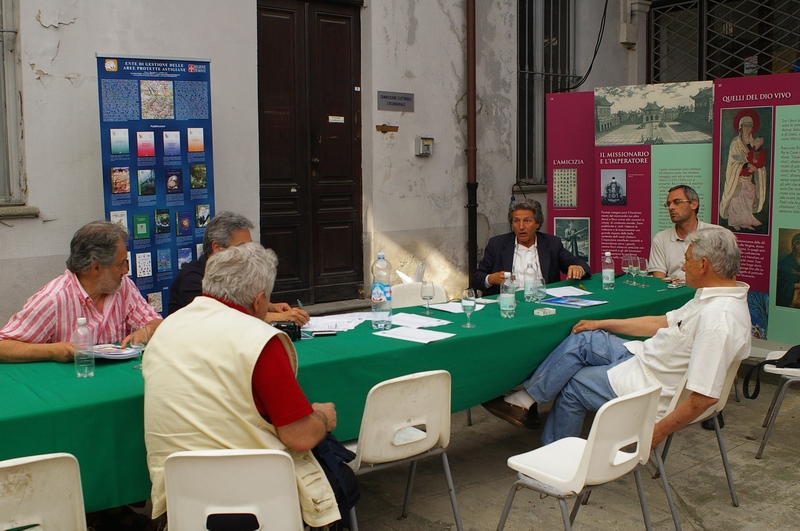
(158, 177)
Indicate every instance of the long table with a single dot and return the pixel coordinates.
(45, 408)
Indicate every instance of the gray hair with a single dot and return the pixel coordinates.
(527, 204)
(97, 240)
(689, 192)
(239, 273)
(221, 227)
(719, 246)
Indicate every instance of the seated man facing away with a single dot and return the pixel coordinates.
(95, 286)
(513, 252)
(217, 376)
(700, 340)
(669, 245)
(226, 229)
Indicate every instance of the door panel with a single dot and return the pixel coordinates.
(309, 120)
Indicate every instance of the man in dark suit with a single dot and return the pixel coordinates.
(525, 245)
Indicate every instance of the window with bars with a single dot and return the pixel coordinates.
(711, 39)
(545, 50)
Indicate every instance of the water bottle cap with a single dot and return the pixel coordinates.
(608, 253)
(380, 254)
(81, 321)
(507, 275)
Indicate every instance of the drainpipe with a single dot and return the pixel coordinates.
(472, 184)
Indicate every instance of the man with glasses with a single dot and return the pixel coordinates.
(669, 245)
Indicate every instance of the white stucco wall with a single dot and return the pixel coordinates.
(58, 42)
(413, 207)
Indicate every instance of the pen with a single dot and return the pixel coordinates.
(300, 304)
(582, 287)
(665, 289)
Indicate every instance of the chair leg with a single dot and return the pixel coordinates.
(353, 520)
(509, 501)
(724, 454)
(411, 472)
(664, 452)
(778, 389)
(736, 388)
(581, 499)
(667, 490)
(452, 490)
(469, 416)
(642, 500)
(564, 514)
(772, 414)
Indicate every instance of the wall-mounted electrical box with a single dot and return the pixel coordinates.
(423, 146)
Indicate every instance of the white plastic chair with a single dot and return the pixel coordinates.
(42, 492)
(572, 467)
(260, 483)
(681, 393)
(407, 295)
(405, 419)
(788, 377)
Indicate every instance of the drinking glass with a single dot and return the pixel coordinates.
(468, 305)
(634, 269)
(643, 267)
(539, 290)
(426, 292)
(626, 267)
(138, 344)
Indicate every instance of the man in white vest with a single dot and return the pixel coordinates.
(217, 376)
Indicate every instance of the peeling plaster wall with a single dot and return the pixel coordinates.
(59, 40)
(414, 207)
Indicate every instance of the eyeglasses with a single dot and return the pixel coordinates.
(676, 202)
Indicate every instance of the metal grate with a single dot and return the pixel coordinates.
(546, 44)
(710, 39)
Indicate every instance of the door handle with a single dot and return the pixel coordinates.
(315, 160)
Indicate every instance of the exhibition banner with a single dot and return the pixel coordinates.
(735, 141)
(157, 158)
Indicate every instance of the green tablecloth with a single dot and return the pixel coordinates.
(45, 408)
(484, 361)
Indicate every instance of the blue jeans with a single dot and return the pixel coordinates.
(575, 375)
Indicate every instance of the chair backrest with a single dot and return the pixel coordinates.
(44, 490)
(404, 417)
(207, 482)
(407, 295)
(681, 394)
(621, 422)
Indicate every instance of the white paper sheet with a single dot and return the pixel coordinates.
(417, 321)
(453, 307)
(567, 291)
(417, 335)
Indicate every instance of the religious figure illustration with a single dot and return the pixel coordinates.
(788, 286)
(746, 174)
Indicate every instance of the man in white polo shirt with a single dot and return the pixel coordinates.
(666, 253)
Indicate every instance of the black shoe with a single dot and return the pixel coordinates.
(708, 424)
(518, 416)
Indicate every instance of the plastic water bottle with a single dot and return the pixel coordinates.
(83, 344)
(381, 294)
(608, 271)
(530, 283)
(508, 301)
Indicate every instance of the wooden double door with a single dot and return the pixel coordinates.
(309, 105)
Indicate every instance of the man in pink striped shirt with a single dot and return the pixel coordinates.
(95, 286)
